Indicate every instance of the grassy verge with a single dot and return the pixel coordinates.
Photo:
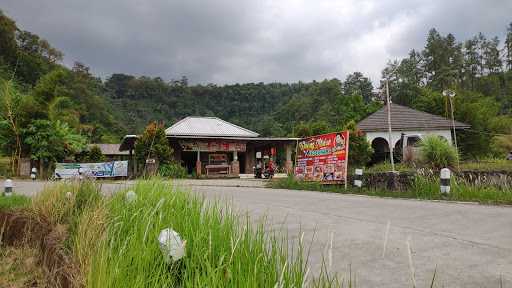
(222, 250)
(14, 201)
(114, 241)
(421, 189)
(482, 165)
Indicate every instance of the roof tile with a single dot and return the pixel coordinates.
(404, 118)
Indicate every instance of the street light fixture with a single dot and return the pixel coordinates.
(451, 94)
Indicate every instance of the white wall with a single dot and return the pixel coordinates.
(396, 135)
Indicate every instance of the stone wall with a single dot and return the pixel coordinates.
(494, 178)
(386, 180)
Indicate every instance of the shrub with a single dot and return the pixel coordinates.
(95, 155)
(360, 151)
(172, 170)
(153, 144)
(501, 145)
(437, 152)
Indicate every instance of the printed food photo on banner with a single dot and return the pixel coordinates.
(323, 158)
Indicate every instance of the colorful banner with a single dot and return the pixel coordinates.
(323, 158)
(96, 170)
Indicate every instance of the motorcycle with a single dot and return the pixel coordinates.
(258, 172)
(268, 173)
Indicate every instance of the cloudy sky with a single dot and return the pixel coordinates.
(249, 41)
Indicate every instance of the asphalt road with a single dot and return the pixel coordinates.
(465, 245)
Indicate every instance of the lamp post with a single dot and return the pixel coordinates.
(451, 94)
(390, 132)
(390, 141)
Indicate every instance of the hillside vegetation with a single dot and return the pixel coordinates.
(49, 112)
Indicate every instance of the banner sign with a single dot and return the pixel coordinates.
(323, 158)
(212, 146)
(97, 170)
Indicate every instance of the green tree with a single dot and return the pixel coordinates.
(360, 151)
(50, 142)
(95, 155)
(357, 84)
(10, 127)
(153, 144)
(492, 60)
(508, 47)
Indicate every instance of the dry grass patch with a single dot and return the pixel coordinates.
(20, 268)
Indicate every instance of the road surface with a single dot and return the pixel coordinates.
(465, 245)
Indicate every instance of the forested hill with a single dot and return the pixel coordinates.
(54, 100)
(273, 109)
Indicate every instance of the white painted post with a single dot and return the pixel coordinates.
(445, 181)
(358, 178)
(33, 173)
(8, 187)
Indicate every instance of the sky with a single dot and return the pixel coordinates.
(238, 41)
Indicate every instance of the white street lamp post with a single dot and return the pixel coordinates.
(450, 94)
(390, 141)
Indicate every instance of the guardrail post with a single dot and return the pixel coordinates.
(445, 181)
(358, 178)
(8, 187)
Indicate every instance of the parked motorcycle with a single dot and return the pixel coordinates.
(268, 173)
(258, 172)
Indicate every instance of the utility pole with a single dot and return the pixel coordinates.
(390, 141)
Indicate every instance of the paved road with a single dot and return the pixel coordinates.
(467, 245)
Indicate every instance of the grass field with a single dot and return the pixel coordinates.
(422, 188)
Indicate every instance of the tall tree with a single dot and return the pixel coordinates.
(10, 118)
(508, 47)
(492, 60)
(357, 84)
(471, 61)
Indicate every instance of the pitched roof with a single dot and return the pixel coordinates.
(109, 149)
(207, 126)
(404, 118)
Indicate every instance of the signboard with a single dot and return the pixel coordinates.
(97, 170)
(212, 146)
(323, 158)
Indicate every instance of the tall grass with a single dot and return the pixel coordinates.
(222, 250)
(427, 188)
(436, 152)
(64, 202)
